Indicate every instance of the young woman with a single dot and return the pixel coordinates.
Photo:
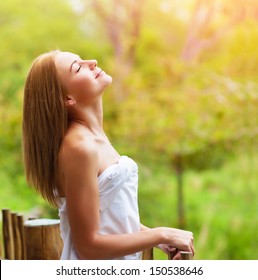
(71, 162)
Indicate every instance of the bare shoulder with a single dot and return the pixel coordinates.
(78, 149)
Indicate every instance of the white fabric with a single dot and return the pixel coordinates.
(118, 191)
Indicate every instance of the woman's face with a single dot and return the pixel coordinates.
(82, 79)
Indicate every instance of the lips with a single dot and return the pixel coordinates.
(98, 74)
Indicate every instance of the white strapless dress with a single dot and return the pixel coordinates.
(118, 194)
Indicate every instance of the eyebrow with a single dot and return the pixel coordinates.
(72, 65)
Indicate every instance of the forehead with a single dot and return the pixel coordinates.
(63, 60)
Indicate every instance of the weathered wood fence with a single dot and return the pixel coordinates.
(36, 239)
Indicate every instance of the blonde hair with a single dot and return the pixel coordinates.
(44, 125)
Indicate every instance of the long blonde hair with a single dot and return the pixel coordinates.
(44, 125)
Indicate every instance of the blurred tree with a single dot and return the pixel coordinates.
(174, 107)
(123, 34)
(212, 20)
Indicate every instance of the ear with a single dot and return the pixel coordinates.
(69, 101)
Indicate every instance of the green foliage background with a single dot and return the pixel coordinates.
(185, 87)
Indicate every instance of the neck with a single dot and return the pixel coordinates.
(90, 117)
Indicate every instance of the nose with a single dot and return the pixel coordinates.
(91, 63)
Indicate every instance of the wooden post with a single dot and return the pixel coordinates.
(147, 254)
(22, 236)
(16, 238)
(178, 162)
(43, 240)
(185, 255)
(8, 235)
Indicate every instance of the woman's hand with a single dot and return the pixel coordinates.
(176, 240)
(172, 252)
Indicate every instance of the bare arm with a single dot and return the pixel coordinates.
(80, 168)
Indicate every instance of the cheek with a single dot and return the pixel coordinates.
(79, 86)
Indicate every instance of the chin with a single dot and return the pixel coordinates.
(108, 80)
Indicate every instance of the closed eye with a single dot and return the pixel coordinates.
(78, 69)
